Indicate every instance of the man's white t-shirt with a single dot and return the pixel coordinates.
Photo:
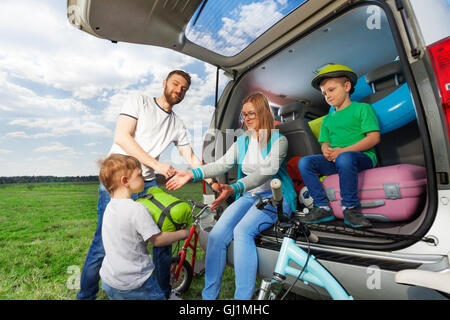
(126, 227)
(155, 130)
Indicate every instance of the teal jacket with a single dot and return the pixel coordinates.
(236, 154)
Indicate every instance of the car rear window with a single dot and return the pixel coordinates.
(228, 27)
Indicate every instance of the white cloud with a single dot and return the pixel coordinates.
(24, 135)
(59, 82)
(91, 144)
(57, 147)
(80, 63)
(247, 22)
(64, 126)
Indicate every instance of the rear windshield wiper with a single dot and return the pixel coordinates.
(199, 12)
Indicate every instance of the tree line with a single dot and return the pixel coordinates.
(36, 179)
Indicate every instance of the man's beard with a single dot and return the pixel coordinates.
(171, 99)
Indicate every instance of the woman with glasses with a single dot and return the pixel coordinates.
(260, 156)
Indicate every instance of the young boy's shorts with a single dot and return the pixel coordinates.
(149, 290)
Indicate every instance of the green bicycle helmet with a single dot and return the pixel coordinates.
(335, 71)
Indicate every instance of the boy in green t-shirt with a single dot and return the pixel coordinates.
(348, 136)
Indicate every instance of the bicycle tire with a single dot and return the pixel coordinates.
(185, 277)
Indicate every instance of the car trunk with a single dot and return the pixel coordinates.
(367, 38)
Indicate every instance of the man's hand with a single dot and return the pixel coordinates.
(225, 191)
(180, 179)
(165, 169)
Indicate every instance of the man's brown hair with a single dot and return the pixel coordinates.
(114, 167)
(182, 73)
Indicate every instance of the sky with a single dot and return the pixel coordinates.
(61, 91)
(229, 26)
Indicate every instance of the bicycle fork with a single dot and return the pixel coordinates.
(313, 272)
(269, 289)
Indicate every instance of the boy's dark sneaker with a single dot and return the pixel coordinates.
(318, 215)
(354, 218)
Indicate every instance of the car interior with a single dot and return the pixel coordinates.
(285, 78)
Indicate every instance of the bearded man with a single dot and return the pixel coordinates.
(145, 128)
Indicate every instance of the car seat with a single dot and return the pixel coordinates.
(294, 126)
(400, 145)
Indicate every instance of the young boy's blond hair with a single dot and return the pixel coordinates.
(114, 167)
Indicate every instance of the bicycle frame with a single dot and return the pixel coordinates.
(193, 233)
(314, 272)
(187, 244)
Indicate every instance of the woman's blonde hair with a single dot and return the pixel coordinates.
(114, 167)
(266, 120)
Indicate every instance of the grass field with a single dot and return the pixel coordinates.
(46, 231)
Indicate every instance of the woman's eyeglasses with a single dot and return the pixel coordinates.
(249, 116)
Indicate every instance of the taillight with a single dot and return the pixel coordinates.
(440, 57)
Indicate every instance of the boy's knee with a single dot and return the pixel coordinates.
(346, 159)
(304, 163)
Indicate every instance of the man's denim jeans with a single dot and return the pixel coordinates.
(90, 276)
(241, 221)
(149, 290)
(347, 165)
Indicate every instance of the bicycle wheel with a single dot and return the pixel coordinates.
(182, 284)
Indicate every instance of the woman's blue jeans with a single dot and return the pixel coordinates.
(90, 276)
(241, 221)
(347, 165)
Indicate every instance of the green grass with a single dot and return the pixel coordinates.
(46, 231)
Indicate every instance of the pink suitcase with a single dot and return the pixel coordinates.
(392, 193)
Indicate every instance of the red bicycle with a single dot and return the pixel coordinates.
(181, 271)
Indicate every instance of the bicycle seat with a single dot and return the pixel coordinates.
(428, 279)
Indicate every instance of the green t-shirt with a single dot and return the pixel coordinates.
(346, 127)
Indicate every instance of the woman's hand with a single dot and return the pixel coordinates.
(215, 187)
(180, 178)
(225, 191)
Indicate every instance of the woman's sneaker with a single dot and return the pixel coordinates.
(318, 215)
(354, 218)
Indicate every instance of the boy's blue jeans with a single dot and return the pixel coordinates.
(90, 275)
(347, 165)
(241, 221)
(149, 290)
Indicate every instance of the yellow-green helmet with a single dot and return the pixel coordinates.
(335, 71)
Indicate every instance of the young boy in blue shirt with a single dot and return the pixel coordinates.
(348, 136)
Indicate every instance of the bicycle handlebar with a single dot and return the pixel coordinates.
(277, 194)
(199, 205)
(277, 197)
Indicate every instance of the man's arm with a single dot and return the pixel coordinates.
(124, 137)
